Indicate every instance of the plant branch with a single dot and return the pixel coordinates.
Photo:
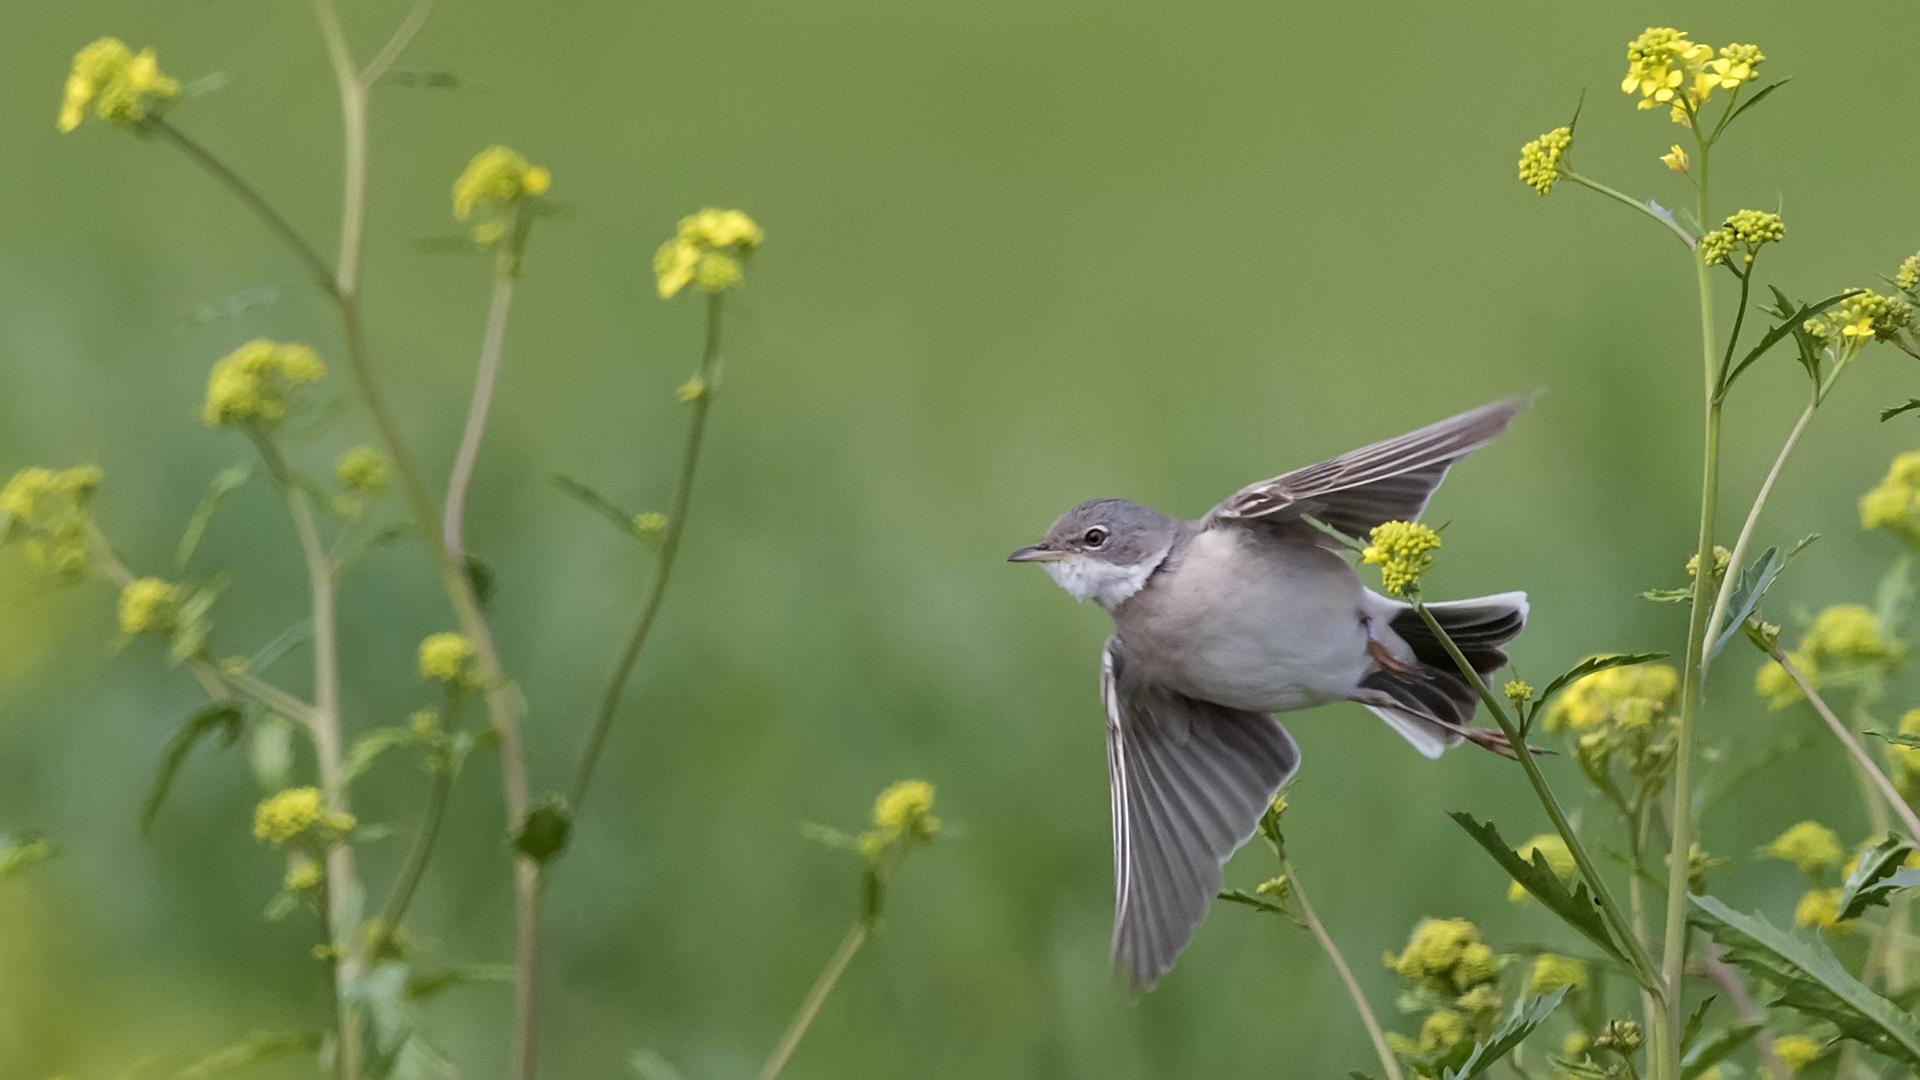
(353, 122)
(1374, 1033)
(1685, 236)
(254, 201)
(397, 44)
(418, 856)
(1859, 753)
(489, 371)
(1725, 594)
(856, 937)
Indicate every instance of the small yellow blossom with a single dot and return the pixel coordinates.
(707, 251)
(1575, 1044)
(1865, 317)
(1746, 229)
(284, 816)
(497, 176)
(1401, 550)
(1894, 505)
(46, 513)
(302, 874)
(1779, 688)
(1552, 972)
(649, 524)
(1795, 1051)
(1559, 859)
(1821, 908)
(1716, 247)
(1543, 160)
(1810, 846)
(1850, 635)
(448, 657)
(1274, 887)
(1631, 697)
(1443, 1030)
(259, 383)
(907, 807)
(363, 470)
(1908, 275)
(121, 85)
(148, 604)
(1737, 64)
(1665, 68)
(1447, 956)
(1518, 691)
(693, 389)
(1675, 158)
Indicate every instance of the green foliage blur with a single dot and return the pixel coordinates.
(1018, 255)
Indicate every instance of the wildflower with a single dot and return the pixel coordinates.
(1276, 888)
(1447, 956)
(1442, 1030)
(148, 604)
(259, 383)
(46, 512)
(706, 251)
(1716, 247)
(1552, 972)
(1908, 275)
(1820, 908)
(1865, 316)
(363, 470)
(1400, 548)
(1699, 863)
(1779, 688)
(1629, 697)
(1665, 68)
(1850, 635)
(693, 389)
(1675, 158)
(1620, 1036)
(1518, 691)
(1810, 846)
(1542, 161)
(1737, 64)
(1722, 558)
(1795, 1051)
(907, 806)
(497, 176)
(302, 875)
(448, 657)
(1894, 505)
(1559, 860)
(1575, 1044)
(1748, 229)
(284, 816)
(121, 85)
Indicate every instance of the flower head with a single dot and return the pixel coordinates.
(1849, 635)
(1400, 549)
(1559, 860)
(1675, 158)
(497, 176)
(907, 807)
(1518, 691)
(1446, 956)
(1895, 504)
(1665, 68)
(448, 657)
(1737, 64)
(302, 874)
(1821, 908)
(122, 86)
(1795, 1051)
(1443, 1030)
(148, 604)
(363, 470)
(1908, 275)
(1631, 697)
(708, 251)
(46, 513)
(1552, 972)
(1864, 317)
(1746, 229)
(290, 813)
(1810, 846)
(1543, 160)
(259, 383)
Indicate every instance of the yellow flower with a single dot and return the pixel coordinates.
(1442, 1030)
(1773, 683)
(1667, 69)
(447, 657)
(1821, 908)
(649, 524)
(1559, 859)
(1629, 697)
(1552, 972)
(1543, 160)
(1675, 158)
(1400, 549)
(908, 808)
(1810, 846)
(1865, 316)
(46, 513)
(1736, 65)
(1748, 229)
(302, 874)
(1850, 635)
(259, 383)
(1906, 757)
(148, 604)
(706, 251)
(1575, 1044)
(122, 86)
(1518, 691)
(1894, 505)
(363, 470)
(1795, 1051)
(497, 176)
(693, 389)
(1447, 956)
(279, 818)
(1908, 275)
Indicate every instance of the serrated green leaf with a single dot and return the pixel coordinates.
(1790, 322)
(1692, 1030)
(1596, 662)
(1810, 980)
(21, 850)
(225, 483)
(257, 1047)
(1753, 584)
(1520, 1023)
(1878, 874)
(223, 718)
(1888, 414)
(1577, 908)
(1705, 1055)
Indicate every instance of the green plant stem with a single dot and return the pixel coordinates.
(1861, 758)
(1685, 237)
(822, 986)
(245, 192)
(663, 566)
(1374, 1032)
(1725, 594)
(488, 372)
(418, 855)
(1644, 972)
(397, 44)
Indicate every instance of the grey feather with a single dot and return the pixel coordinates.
(1189, 782)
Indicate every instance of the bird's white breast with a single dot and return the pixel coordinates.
(1087, 578)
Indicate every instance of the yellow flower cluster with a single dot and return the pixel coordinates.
(1518, 691)
(497, 176)
(1861, 318)
(1447, 958)
(1675, 158)
(1746, 229)
(302, 874)
(448, 657)
(1544, 159)
(1666, 68)
(45, 512)
(363, 470)
(1895, 504)
(148, 604)
(1551, 972)
(1626, 697)
(706, 251)
(1400, 549)
(1811, 846)
(1908, 275)
(290, 813)
(1845, 639)
(1821, 908)
(1795, 1051)
(121, 85)
(259, 383)
(904, 811)
(1559, 859)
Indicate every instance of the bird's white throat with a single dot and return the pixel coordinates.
(1105, 583)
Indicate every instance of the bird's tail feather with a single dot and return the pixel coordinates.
(1428, 702)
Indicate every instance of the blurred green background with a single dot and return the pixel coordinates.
(1019, 254)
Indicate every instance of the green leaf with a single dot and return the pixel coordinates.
(1876, 876)
(1893, 597)
(1577, 908)
(1596, 662)
(21, 850)
(1756, 99)
(224, 719)
(1519, 1024)
(367, 749)
(1252, 900)
(594, 501)
(225, 483)
(483, 578)
(1901, 738)
(257, 1047)
(428, 985)
(1810, 979)
(285, 640)
(545, 833)
(1705, 1055)
(1888, 414)
(1692, 1030)
(1754, 582)
(1791, 318)
(1668, 596)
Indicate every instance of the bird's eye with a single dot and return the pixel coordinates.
(1095, 537)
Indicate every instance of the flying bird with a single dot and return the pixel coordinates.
(1221, 622)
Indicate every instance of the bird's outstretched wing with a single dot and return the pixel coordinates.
(1189, 781)
(1388, 481)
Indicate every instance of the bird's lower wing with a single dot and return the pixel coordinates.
(1388, 481)
(1189, 782)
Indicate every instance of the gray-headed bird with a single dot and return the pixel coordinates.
(1221, 622)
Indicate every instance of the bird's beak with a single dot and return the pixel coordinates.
(1036, 553)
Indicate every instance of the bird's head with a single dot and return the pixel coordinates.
(1103, 550)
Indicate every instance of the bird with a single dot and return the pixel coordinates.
(1249, 611)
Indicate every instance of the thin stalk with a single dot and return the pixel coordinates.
(1374, 1032)
(488, 373)
(246, 193)
(418, 855)
(663, 566)
(529, 891)
(1746, 534)
(1685, 236)
(353, 122)
(397, 44)
(856, 937)
(1859, 754)
(1644, 971)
